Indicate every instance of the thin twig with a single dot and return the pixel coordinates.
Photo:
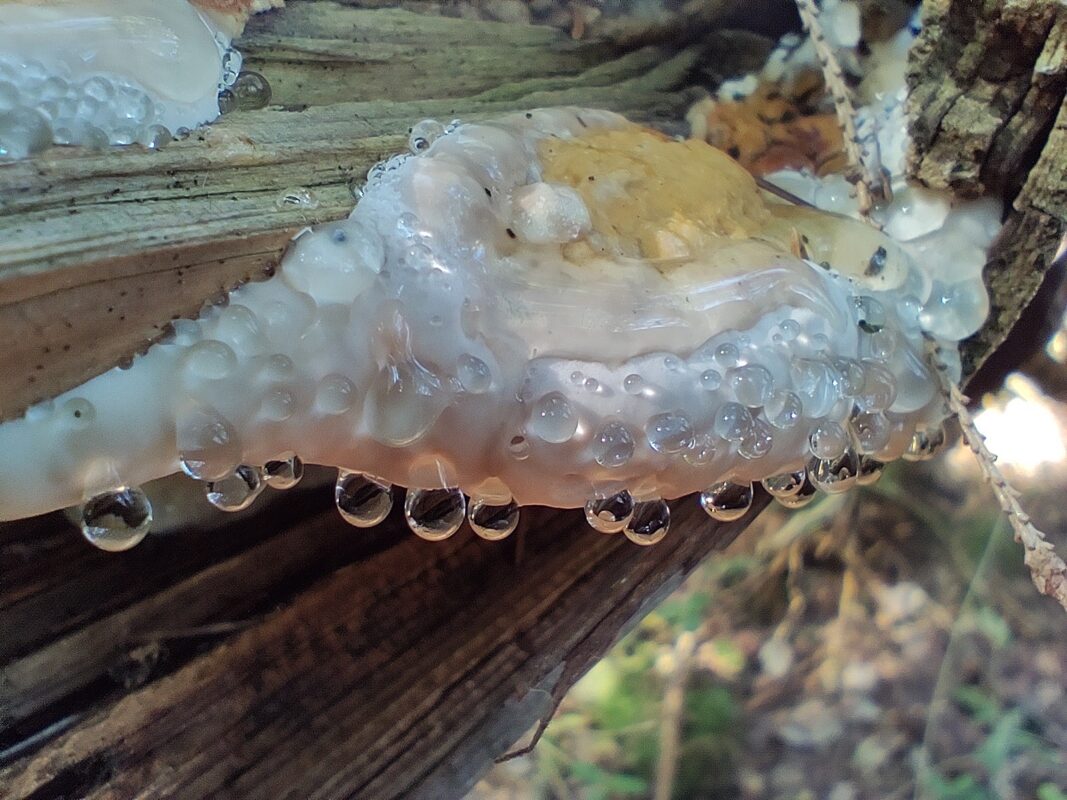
(1047, 569)
(862, 152)
(670, 729)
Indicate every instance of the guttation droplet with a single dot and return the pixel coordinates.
(435, 514)
(474, 374)
(649, 522)
(828, 440)
(836, 475)
(669, 433)
(610, 514)
(363, 500)
(236, 491)
(117, 520)
(727, 501)
(805, 495)
(871, 471)
(283, 473)
(552, 419)
(493, 522)
(613, 444)
(925, 444)
(208, 447)
(787, 484)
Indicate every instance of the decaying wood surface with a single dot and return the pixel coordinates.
(287, 654)
(293, 656)
(988, 82)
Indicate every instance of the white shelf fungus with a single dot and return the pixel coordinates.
(100, 72)
(557, 308)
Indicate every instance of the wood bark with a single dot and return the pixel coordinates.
(988, 81)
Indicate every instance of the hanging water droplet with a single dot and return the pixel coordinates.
(871, 471)
(252, 91)
(423, 134)
(613, 444)
(727, 501)
(669, 433)
(116, 520)
(805, 495)
(208, 447)
(237, 490)
(363, 500)
(828, 440)
(787, 484)
(649, 522)
(474, 374)
(283, 473)
(552, 419)
(610, 514)
(871, 431)
(836, 475)
(435, 514)
(493, 522)
(925, 444)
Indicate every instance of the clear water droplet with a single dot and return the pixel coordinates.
(251, 91)
(710, 380)
(552, 419)
(633, 384)
(363, 500)
(403, 403)
(335, 394)
(752, 384)
(227, 101)
(116, 520)
(77, 413)
(613, 444)
(435, 514)
(784, 410)
(870, 314)
(804, 496)
(758, 442)
(879, 388)
(210, 360)
(649, 522)
(925, 444)
(818, 386)
(727, 354)
(283, 473)
(727, 501)
(733, 422)
(828, 440)
(836, 475)
(871, 431)
(871, 471)
(787, 484)
(236, 491)
(851, 374)
(493, 521)
(702, 451)
(299, 197)
(473, 374)
(790, 329)
(208, 447)
(610, 514)
(669, 433)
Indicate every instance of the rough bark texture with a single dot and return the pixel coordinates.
(988, 80)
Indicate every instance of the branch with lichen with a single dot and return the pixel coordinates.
(865, 171)
(1047, 570)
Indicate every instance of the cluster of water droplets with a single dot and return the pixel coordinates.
(39, 107)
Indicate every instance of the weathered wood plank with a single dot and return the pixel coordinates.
(395, 674)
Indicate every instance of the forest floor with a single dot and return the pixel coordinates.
(882, 644)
